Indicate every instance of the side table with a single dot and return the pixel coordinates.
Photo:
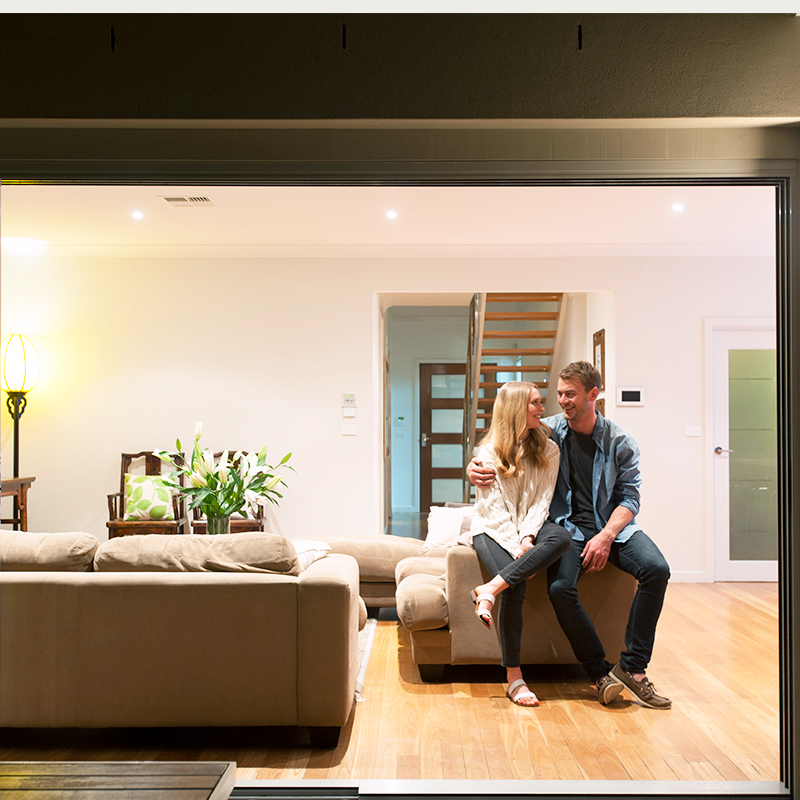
(18, 489)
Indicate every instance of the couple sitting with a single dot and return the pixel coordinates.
(561, 494)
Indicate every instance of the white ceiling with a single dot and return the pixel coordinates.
(347, 221)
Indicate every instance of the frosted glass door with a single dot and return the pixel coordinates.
(745, 456)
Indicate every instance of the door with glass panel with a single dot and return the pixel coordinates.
(744, 453)
(441, 404)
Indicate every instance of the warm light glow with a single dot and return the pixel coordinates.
(20, 363)
(391, 215)
(20, 246)
(137, 215)
(678, 207)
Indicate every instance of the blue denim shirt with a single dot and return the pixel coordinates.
(615, 477)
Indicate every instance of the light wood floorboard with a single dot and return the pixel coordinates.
(716, 656)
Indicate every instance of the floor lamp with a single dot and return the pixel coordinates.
(20, 373)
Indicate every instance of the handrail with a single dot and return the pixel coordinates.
(477, 314)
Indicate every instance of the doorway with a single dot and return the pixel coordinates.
(741, 449)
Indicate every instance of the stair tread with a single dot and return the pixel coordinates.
(520, 315)
(518, 351)
(523, 297)
(496, 384)
(519, 334)
(514, 367)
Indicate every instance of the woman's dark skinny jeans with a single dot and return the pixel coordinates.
(551, 542)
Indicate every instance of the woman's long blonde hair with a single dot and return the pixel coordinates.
(509, 416)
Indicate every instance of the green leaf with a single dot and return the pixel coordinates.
(137, 494)
(158, 512)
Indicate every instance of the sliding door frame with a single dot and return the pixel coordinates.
(781, 174)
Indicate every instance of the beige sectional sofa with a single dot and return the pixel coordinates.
(378, 557)
(433, 604)
(430, 587)
(264, 645)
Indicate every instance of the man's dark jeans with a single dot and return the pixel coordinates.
(640, 557)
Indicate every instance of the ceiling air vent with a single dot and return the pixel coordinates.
(189, 202)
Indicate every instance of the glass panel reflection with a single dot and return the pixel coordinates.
(447, 387)
(446, 455)
(446, 490)
(446, 420)
(753, 462)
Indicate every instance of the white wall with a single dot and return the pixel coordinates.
(134, 351)
(418, 335)
(601, 315)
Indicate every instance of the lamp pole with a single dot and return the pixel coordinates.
(19, 372)
(16, 403)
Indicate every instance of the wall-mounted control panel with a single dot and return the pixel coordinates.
(630, 396)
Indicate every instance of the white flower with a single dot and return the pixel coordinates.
(197, 480)
(222, 468)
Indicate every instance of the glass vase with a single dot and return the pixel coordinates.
(218, 525)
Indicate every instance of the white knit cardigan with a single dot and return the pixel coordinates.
(515, 507)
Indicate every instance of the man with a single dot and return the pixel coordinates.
(596, 499)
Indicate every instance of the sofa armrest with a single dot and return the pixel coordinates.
(471, 642)
(327, 640)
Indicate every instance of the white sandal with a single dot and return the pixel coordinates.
(515, 698)
(485, 616)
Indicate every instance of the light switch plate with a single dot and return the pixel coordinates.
(348, 412)
(349, 399)
(349, 430)
(694, 430)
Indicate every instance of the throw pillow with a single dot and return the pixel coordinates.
(147, 497)
(27, 552)
(308, 552)
(233, 552)
(444, 526)
(468, 512)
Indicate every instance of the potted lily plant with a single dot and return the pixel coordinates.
(236, 484)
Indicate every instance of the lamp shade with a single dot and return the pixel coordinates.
(19, 364)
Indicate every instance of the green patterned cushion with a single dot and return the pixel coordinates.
(147, 497)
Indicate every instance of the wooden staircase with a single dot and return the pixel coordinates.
(524, 325)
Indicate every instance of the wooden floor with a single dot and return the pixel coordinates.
(716, 657)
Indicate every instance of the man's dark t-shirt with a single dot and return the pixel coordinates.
(580, 453)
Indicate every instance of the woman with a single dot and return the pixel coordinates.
(510, 531)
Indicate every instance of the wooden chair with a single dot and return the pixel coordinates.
(237, 525)
(119, 526)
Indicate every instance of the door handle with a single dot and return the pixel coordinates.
(720, 450)
(424, 440)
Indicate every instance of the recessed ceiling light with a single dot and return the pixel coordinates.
(137, 215)
(678, 207)
(391, 215)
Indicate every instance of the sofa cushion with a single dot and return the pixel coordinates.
(422, 603)
(26, 552)
(233, 552)
(377, 555)
(419, 565)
